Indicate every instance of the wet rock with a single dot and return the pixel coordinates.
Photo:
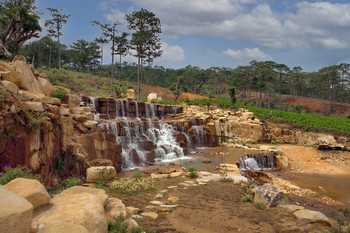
(311, 216)
(62, 227)
(32, 190)
(16, 212)
(268, 195)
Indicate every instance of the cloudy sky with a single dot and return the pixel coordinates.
(226, 33)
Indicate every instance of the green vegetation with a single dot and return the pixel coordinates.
(9, 173)
(60, 94)
(60, 164)
(130, 186)
(120, 226)
(70, 182)
(193, 172)
(247, 197)
(340, 126)
(137, 174)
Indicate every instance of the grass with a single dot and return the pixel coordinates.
(10, 173)
(193, 172)
(305, 121)
(130, 186)
(120, 226)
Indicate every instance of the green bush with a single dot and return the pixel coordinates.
(193, 172)
(130, 186)
(137, 174)
(9, 173)
(60, 164)
(247, 197)
(60, 94)
(70, 182)
(348, 116)
(120, 226)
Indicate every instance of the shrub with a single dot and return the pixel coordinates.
(193, 172)
(137, 174)
(247, 198)
(70, 182)
(60, 164)
(348, 116)
(60, 94)
(130, 186)
(9, 173)
(120, 226)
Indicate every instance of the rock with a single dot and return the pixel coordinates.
(73, 100)
(131, 223)
(292, 208)
(63, 227)
(150, 207)
(100, 193)
(152, 96)
(159, 176)
(46, 86)
(164, 191)
(35, 106)
(168, 206)
(51, 100)
(11, 87)
(159, 196)
(164, 210)
(90, 124)
(132, 210)
(169, 170)
(174, 199)
(156, 202)
(30, 96)
(150, 215)
(81, 128)
(15, 214)
(115, 208)
(205, 160)
(130, 94)
(268, 195)
(172, 187)
(77, 111)
(175, 174)
(64, 111)
(32, 190)
(177, 163)
(94, 174)
(311, 216)
(80, 118)
(282, 162)
(85, 209)
(62, 89)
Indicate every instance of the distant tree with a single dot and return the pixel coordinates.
(55, 27)
(178, 87)
(282, 71)
(18, 23)
(85, 55)
(232, 93)
(108, 35)
(122, 48)
(146, 27)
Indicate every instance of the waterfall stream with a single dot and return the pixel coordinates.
(260, 162)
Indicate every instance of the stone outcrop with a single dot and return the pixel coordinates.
(63, 227)
(311, 216)
(115, 208)
(32, 190)
(268, 195)
(77, 206)
(94, 174)
(16, 212)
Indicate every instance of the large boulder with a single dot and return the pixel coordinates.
(311, 216)
(94, 174)
(63, 227)
(11, 87)
(152, 96)
(80, 189)
(16, 212)
(268, 195)
(115, 208)
(47, 87)
(32, 190)
(73, 100)
(35, 106)
(130, 94)
(85, 209)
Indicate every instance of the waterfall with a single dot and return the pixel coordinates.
(199, 135)
(257, 162)
(137, 109)
(119, 106)
(94, 102)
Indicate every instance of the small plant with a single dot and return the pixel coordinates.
(60, 164)
(9, 173)
(99, 184)
(130, 186)
(137, 174)
(60, 94)
(247, 198)
(286, 197)
(345, 212)
(3, 94)
(70, 182)
(227, 179)
(120, 226)
(244, 143)
(193, 172)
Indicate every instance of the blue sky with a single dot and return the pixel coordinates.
(226, 33)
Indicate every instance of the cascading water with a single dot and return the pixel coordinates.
(143, 140)
(200, 136)
(94, 103)
(259, 162)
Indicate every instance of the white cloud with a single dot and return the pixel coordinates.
(332, 43)
(171, 54)
(247, 54)
(210, 52)
(115, 15)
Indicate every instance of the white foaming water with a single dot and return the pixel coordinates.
(200, 136)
